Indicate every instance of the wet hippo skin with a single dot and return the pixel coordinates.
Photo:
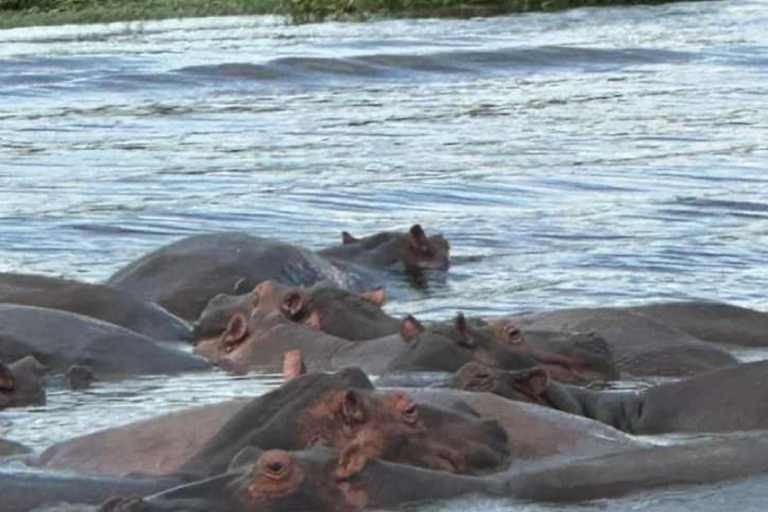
(183, 276)
(332, 409)
(347, 315)
(354, 479)
(731, 399)
(411, 251)
(23, 491)
(96, 301)
(59, 339)
(21, 383)
(642, 346)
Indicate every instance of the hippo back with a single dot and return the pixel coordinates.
(59, 340)
(96, 301)
(183, 276)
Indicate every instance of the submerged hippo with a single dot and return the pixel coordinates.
(413, 251)
(23, 491)
(185, 275)
(262, 339)
(96, 301)
(21, 383)
(355, 479)
(60, 340)
(331, 410)
(448, 346)
(318, 480)
(734, 398)
(313, 409)
(348, 315)
(712, 321)
(642, 346)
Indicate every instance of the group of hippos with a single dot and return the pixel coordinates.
(515, 407)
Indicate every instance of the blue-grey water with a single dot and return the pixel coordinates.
(588, 157)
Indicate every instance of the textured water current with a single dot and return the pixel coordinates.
(586, 157)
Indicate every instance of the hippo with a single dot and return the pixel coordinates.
(341, 313)
(642, 346)
(154, 446)
(185, 275)
(354, 478)
(27, 490)
(332, 409)
(712, 321)
(21, 383)
(411, 252)
(317, 479)
(96, 301)
(261, 340)
(730, 399)
(704, 461)
(446, 347)
(59, 340)
(160, 445)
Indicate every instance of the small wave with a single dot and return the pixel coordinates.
(453, 62)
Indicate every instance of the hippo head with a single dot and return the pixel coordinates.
(317, 479)
(22, 383)
(79, 377)
(448, 347)
(423, 435)
(414, 249)
(528, 385)
(231, 349)
(215, 317)
(423, 252)
(351, 316)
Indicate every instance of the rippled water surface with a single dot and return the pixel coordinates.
(578, 158)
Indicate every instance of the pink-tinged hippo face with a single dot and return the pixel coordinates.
(526, 385)
(348, 315)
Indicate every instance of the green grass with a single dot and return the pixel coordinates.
(18, 13)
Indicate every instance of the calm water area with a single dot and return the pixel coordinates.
(580, 158)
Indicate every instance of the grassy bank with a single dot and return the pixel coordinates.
(18, 13)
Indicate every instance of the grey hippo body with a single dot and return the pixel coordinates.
(642, 346)
(96, 301)
(185, 275)
(59, 340)
(731, 399)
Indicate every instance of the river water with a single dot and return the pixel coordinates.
(587, 157)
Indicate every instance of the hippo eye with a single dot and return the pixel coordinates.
(514, 336)
(275, 470)
(410, 413)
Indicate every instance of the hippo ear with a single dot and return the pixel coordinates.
(293, 364)
(377, 296)
(464, 335)
(417, 237)
(353, 407)
(410, 328)
(294, 304)
(533, 382)
(512, 334)
(241, 286)
(352, 460)
(236, 330)
(346, 238)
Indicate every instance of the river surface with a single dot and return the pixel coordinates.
(588, 157)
